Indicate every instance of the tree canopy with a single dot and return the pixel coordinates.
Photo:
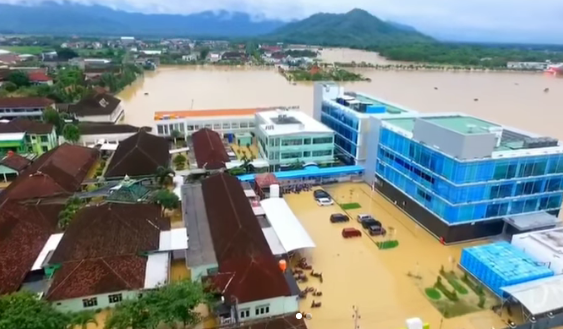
(23, 310)
(71, 133)
(167, 199)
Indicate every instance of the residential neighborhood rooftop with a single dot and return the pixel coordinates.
(95, 128)
(25, 102)
(15, 161)
(287, 122)
(139, 155)
(23, 125)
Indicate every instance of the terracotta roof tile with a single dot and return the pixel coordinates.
(25, 102)
(265, 179)
(239, 242)
(95, 104)
(15, 161)
(38, 77)
(92, 128)
(28, 126)
(57, 172)
(139, 155)
(209, 150)
(111, 229)
(24, 230)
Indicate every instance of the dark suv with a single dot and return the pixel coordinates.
(377, 230)
(339, 218)
(366, 223)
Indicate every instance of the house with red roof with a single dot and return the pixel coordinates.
(27, 107)
(39, 78)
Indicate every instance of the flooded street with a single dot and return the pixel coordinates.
(514, 99)
(356, 272)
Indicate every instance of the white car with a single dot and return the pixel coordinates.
(325, 202)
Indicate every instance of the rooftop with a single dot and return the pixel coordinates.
(468, 125)
(25, 230)
(94, 128)
(209, 150)
(366, 104)
(57, 172)
(22, 125)
(160, 115)
(25, 102)
(8, 137)
(240, 246)
(15, 161)
(287, 122)
(139, 155)
(95, 104)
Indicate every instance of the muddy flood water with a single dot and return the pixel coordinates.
(357, 273)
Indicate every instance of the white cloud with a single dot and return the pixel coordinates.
(519, 16)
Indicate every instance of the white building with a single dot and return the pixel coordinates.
(539, 66)
(545, 246)
(127, 40)
(100, 107)
(92, 134)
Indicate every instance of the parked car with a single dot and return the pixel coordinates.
(370, 222)
(375, 230)
(351, 232)
(362, 217)
(339, 218)
(325, 202)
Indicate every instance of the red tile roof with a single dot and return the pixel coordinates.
(239, 242)
(25, 102)
(57, 172)
(15, 161)
(26, 125)
(209, 150)
(139, 155)
(24, 230)
(98, 276)
(265, 180)
(38, 77)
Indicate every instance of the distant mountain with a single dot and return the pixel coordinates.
(70, 18)
(355, 28)
(402, 27)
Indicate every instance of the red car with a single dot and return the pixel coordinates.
(351, 232)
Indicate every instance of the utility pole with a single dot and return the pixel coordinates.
(356, 317)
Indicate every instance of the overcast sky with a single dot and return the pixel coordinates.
(510, 17)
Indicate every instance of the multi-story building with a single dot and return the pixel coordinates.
(285, 137)
(26, 136)
(24, 107)
(460, 176)
(348, 114)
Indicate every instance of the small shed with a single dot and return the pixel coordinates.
(262, 183)
(243, 139)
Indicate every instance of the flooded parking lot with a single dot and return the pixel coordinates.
(356, 272)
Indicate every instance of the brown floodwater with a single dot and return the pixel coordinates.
(514, 99)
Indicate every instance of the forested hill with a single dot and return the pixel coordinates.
(357, 28)
(75, 19)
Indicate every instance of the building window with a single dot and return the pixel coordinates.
(322, 153)
(226, 125)
(307, 141)
(208, 125)
(244, 124)
(216, 126)
(44, 139)
(234, 125)
(263, 309)
(306, 154)
(290, 142)
(322, 140)
(160, 129)
(115, 298)
(291, 155)
(90, 302)
(181, 127)
(27, 138)
(44, 148)
(244, 313)
(251, 124)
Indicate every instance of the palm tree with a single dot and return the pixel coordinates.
(164, 175)
(82, 319)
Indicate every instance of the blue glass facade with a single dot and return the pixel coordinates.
(460, 192)
(346, 127)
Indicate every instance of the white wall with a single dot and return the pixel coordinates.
(76, 305)
(539, 251)
(112, 138)
(113, 117)
(278, 306)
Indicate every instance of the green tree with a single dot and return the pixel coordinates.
(71, 133)
(9, 86)
(175, 134)
(176, 302)
(180, 160)
(82, 319)
(23, 310)
(203, 53)
(53, 117)
(132, 314)
(168, 200)
(19, 78)
(64, 54)
(164, 175)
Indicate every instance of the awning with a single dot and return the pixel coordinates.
(157, 270)
(289, 230)
(49, 246)
(175, 239)
(273, 241)
(539, 296)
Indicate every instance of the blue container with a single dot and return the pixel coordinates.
(499, 265)
(230, 138)
(375, 109)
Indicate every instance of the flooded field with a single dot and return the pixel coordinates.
(356, 272)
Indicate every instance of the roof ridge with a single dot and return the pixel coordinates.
(116, 274)
(66, 278)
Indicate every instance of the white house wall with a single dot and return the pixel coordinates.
(277, 306)
(76, 304)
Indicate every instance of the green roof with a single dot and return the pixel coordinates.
(390, 109)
